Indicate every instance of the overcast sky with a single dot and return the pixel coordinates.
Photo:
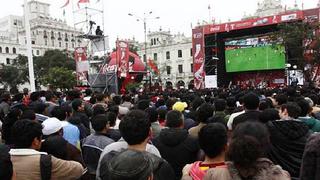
(176, 15)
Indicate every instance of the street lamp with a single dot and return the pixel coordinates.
(146, 16)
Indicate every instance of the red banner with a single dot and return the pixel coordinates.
(198, 57)
(82, 66)
(251, 23)
(123, 58)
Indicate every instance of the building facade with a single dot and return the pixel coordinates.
(46, 33)
(173, 56)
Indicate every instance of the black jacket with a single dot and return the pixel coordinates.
(177, 147)
(250, 115)
(161, 168)
(287, 142)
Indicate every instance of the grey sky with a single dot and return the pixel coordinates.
(176, 15)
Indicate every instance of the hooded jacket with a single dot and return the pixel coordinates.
(177, 147)
(287, 142)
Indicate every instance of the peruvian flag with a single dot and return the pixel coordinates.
(153, 66)
(82, 1)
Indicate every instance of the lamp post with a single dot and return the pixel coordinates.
(146, 16)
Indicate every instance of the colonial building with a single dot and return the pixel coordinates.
(173, 56)
(269, 8)
(46, 33)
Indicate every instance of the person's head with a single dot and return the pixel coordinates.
(305, 107)
(27, 134)
(41, 108)
(244, 152)
(162, 113)
(35, 96)
(5, 97)
(204, 112)
(101, 97)
(289, 110)
(28, 114)
(135, 127)
(17, 97)
(114, 109)
(196, 103)
(152, 114)
(179, 106)
(77, 105)
(231, 101)
(127, 98)
(100, 123)
(88, 92)
(254, 129)
(98, 109)
(59, 113)
(281, 99)
(50, 96)
(314, 98)
(220, 104)
(251, 101)
(51, 127)
(213, 139)
(174, 119)
(6, 167)
(117, 100)
(143, 104)
(129, 165)
(111, 118)
(269, 114)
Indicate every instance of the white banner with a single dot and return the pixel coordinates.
(211, 81)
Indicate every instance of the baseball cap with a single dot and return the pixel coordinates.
(179, 106)
(130, 164)
(51, 126)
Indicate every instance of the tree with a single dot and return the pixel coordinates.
(302, 45)
(15, 74)
(59, 78)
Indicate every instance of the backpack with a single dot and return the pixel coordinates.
(45, 167)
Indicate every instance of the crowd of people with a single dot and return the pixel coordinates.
(217, 134)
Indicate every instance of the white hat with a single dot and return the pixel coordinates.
(51, 126)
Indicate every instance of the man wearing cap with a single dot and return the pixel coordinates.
(55, 144)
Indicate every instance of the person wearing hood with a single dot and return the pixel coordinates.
(288, 137)
(175, 144)
(305, 117)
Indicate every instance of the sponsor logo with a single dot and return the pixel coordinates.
(80, 50)
(215, 28)
(108, 68)
(197, 35)
(198, 60)
(289, 17)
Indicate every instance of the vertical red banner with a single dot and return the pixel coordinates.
(82, 66)
(123, 58)
(198, 57)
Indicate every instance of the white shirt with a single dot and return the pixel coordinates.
(232, 116)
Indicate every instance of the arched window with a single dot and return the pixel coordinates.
(14, 51)
(7, 50)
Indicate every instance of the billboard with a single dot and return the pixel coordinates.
(82, 66)
(123, 58)
(198, 57)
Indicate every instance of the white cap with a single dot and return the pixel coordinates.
(51, 126)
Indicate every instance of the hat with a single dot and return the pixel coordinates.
(179, 106)
(51, 126)
(130, 164)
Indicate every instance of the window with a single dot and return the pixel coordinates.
(38, 52)
(14, 50)
(45, 42)
(67, 45)
(144, 58)
(180, 68)
(168, 70)
(0, 49)
(33, 42)
(151, 42)
(168, 55)
(7, 50)
(8, 61)
(45, 34)
(72, 45)
(52, 42)
(191, 52)
(180, 53)
(191, 67)
(59, 44)
(155, 56)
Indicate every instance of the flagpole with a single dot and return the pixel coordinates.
(29, 48)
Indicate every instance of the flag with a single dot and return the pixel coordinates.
(66, 4)
(153, 66)
(82, 1)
